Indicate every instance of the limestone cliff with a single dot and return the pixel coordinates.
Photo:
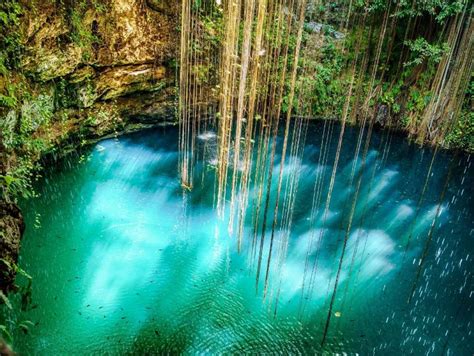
(101, 51)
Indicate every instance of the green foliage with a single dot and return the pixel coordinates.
(9, 100)
(3, 65)
(91, 120)
(196, 4)
(18, 136)
(8, 302)
(213, 28)
(202, 72)
(327, 90)
(6, 333)
(462, 134)
(423, 51)
(36, 112)
(326, 85)
(440, 10)
(99, 6)
(375, 5)
(390, 95)
(10, 13)
(18, 181)
(10, 38)
(4, 300)
(7, 127)
(64, 94)
(81, 34)
(418, 100)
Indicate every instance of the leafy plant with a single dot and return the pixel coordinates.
(462, 133)
(18, 181)
(10, 99)
(81, 34)
(10, 38)
(5, 300)
(423, 51)
(6, 334)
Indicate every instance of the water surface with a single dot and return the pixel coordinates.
(124, 263)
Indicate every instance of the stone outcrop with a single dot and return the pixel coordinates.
(115, 82)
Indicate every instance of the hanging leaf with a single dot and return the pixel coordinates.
(23, 273)
(5, 300)
(6, 333)
(6, 263)
(25, 326)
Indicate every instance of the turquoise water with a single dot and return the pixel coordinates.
(124, 262)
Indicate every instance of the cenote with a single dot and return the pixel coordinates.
(125, 261)
(236, 177)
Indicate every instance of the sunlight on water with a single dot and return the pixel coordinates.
(124, 262)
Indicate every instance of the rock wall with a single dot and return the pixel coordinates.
(102, 50)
